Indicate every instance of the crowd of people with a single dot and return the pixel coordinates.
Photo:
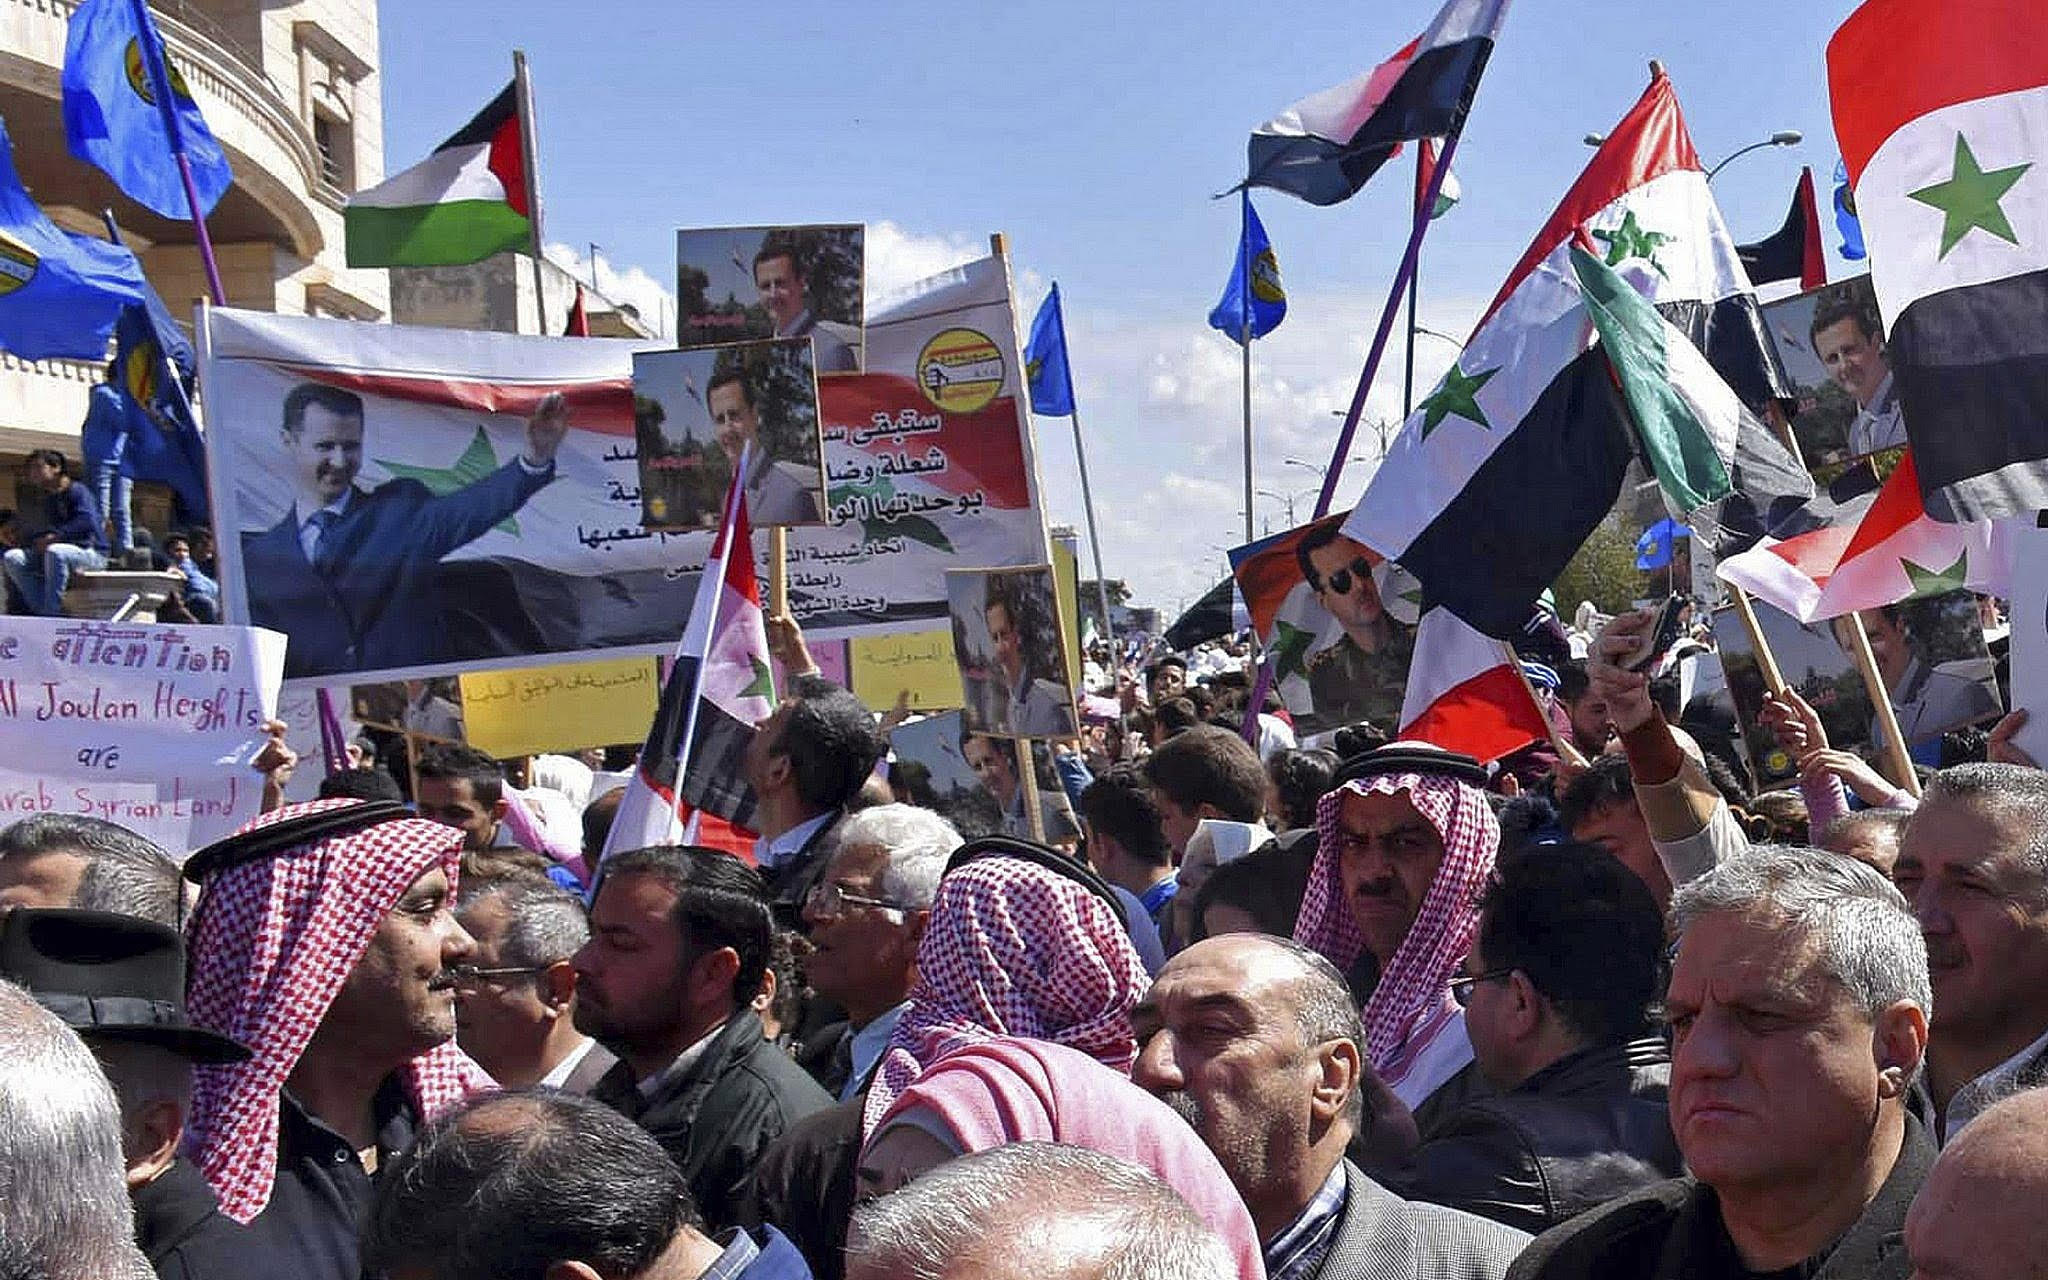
(1253, 1010)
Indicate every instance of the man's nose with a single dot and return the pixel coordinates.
(1156, 1070)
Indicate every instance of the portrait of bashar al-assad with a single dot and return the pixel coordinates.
(705, 412)
(782, 282)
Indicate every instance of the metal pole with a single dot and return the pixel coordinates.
(529, 151)
(1094, 542)
(1244, 298)
(1414, 286)
(593, 268)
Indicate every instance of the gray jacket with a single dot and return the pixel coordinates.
(1384, 1237)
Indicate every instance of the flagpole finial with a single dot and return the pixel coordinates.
(1656, 68)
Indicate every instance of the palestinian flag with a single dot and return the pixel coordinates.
(1941, 108)
(1880, 550)
(1325, 147)
(1447, 195)
(691, 777)
(468, 200)
(1465, 693)
(1795, 251)
(1519, 453)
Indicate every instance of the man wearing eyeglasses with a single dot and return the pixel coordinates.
(1364, 675)
(515, 1001)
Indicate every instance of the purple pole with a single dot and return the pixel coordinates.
(333, 746)
(213, 285)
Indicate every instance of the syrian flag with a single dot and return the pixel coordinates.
(468, 200)
(1941, 108)
(1511, 462)
(1425, 168)
(1881, 550)
(1325, 147)
(1795, 251)
(1465, 693)
(691, 777)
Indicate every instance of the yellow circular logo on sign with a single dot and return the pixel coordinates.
(960, 370)
(138, 77)
(18, 264)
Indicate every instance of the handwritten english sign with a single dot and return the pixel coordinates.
(148, 725)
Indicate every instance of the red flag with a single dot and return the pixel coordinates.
(579, 319)
(1464, 693)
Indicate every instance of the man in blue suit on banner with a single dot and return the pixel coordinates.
(348, 573)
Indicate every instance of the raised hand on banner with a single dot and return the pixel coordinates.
(786, 645)
(899, 713)
(2000, 749)
(546, 429)
(1627, 692)
(275, 762)
(1795, 723)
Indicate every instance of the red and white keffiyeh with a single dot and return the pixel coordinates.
(1413, 994)
(1014, 949)
(271, 945)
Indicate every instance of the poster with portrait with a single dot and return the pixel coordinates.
(1931, 654)
(1832, 342)
(1812, 662)
(1339, 620)
(427, 709)
(971, 779)
(1007, 639)
(737, 283)
(699, 411)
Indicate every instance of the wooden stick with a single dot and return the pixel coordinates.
(778, 571)
(1897, 762)
(1774, 679)
(1027, 775)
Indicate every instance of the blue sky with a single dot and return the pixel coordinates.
(1093, 135)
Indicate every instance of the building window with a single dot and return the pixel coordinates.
(337, 144)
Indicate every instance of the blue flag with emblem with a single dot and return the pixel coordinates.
(1045, 360)
(154, 364)
(1254, 284)
(59, 293)
(1659, 543)
(127, 110)
(1846, 220)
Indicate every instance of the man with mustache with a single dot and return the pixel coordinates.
(1798, 1012)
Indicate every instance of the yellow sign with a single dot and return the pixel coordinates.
(882, 667)
(1066, 578)
(560, 708)
(960, 370)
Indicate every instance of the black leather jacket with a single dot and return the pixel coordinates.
(1576, 1134)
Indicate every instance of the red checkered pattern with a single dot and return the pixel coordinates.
(1014, 949)
(1416, 985)
(271, 945)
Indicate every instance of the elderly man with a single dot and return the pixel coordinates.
(806, 764)
(1034, 1211)
(533, 1185)
(1404, 845)
(515, 1001)
(1979, 1216)
(63, 860)
(64, 1214)
(1798, 1011)
(679, 938)
(325, 941)
(1972, 864)
(1255, 1041)
(1557, 995)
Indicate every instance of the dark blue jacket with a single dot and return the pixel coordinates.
(73, 514)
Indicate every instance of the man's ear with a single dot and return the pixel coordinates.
(1526, 1005)
(558, 986)
(918, 921)
(1899, 1043)
(711, 977)
(1207, 810)
(499, 809)
(1337, 1079)
(570, 1271)
(158, 1130)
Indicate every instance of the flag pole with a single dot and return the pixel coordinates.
(1899, 760)
(529, 154)
(1244, 329)
(1081, 459)
(159, 72)
(1414, 287)
(1027, 778)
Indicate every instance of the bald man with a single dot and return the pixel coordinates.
(1987, 1189)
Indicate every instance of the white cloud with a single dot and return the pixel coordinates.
(655, 301)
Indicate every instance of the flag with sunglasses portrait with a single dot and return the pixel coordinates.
(1338, 619)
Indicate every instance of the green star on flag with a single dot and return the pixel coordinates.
(1969, 199)
(1630, 240)
(476, 462)
(1456, 396)
(1934, 582)
(1290, 647)
(763, 684)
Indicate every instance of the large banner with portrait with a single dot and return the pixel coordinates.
(407, 502)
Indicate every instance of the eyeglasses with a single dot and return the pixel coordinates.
(829, 898)
(1461, 988)
(469, 975)
(1340, 581)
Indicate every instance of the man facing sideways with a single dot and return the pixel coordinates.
(1798, 1012)
(63, 860)
(1126, 840)
(679, 937)
(349, 572)
(1362, 676)
(806, 764)
(1256, 1043)
(515, 1001)
(1599, 807)
(1979, 1216)
(1206, 774)
(784, 290)
(69, 540)
(777, 492)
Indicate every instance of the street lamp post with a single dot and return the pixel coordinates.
(1782, 138)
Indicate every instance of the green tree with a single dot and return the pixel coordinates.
(1603, 571)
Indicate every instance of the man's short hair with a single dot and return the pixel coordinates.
(1587, 933)
(1266, 884)
(598, 817)
(1315, 540)
(1094, 1205)
(64, 1209)
(720, 902)
(1207, 765)
(340, 403)
(360, 784)
(1605, 784)
(1838, 305)
(1301, 775)
(731, 377)
(1865, 933)
(917, 841)
(831, 741)
(1176, 716)
(544, 923)
(770, 252)
(1891, 822)
(2010, 792)
(508, 1185)
(1170, 660)
(1572, 680)
(123, 871)
(1119, 805)
(453, 762)
(142, 1075)
(49, 458)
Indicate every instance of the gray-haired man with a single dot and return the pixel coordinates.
(515, 1001)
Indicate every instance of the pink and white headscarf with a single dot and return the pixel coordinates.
(1413, 999)
(271, 945)
(1014, 949)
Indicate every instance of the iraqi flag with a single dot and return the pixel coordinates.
(1941, 108)
(1465, 693)
(1881, 550)
(1517, 455)
(468, 200)
(1326, 146)
(690, 784)
(1795, 251)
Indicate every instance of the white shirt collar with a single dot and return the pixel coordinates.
(653, 1084)
(773, 853)
(559, 1073)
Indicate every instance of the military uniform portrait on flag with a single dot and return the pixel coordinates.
(737, 283)
(697, 411)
